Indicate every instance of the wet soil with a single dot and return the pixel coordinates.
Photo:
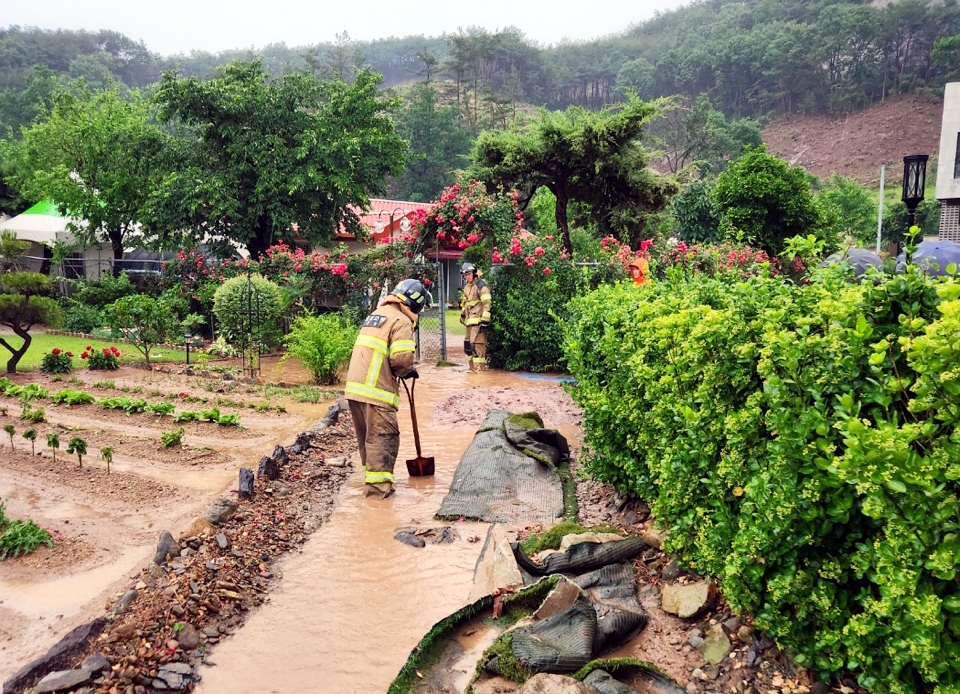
(106, 525)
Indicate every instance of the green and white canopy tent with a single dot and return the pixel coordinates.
(42, 224)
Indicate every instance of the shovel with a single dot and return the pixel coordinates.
(419, 466)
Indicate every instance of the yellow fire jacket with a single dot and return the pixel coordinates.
(383, 352)
(476, 303)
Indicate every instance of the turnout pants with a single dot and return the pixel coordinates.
(477, 338)
(378, 438)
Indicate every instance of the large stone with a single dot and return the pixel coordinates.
(220, 511)
(95, 663)
(123, 604)
(61, 655)
(175, 675)
(563, 595)
(576, 538)
(62, 680)
(188, 637)
(280, 455)
(409, 539)
(654, 537)
(716, 646)
(544, 683)
(246, 483)
(166, 547)
(688, 600)
(268, 468)
(496, 567)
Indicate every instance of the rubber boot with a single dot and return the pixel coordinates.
(380, 491)
(473, 365)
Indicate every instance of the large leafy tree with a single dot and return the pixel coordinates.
(594, 158)
(765, 201)
(94, 155)
(265, 154)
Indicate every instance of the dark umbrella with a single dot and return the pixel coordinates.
(933, 257)
(858, 258)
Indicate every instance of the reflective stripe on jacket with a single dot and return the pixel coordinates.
(476, 303)
(381, 354)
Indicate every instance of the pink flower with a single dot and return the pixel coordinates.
(546, 271)
(538, 251)
(682, 247)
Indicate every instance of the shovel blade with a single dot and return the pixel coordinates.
(420, 467)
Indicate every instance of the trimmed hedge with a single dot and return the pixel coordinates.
(800, 444)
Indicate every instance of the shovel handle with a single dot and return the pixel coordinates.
(413, 413)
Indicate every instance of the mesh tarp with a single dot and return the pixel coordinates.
(498, 483)
(581, 557)
(561, 643)
(603, 682)
(613, 593)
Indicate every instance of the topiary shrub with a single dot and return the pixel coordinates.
(249, 313)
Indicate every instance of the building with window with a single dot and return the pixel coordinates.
(948, 165)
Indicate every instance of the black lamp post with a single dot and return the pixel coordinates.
(914, 180)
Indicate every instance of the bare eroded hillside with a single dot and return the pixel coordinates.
(856, 145)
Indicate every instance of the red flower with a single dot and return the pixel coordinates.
(89, 348)
(546, 271)
(56, 351)
(84, 355)
(116, 352)
(70, 354)
(106, 352)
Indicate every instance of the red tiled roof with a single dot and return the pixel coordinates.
(385, 216)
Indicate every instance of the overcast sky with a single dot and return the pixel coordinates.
(179, 26)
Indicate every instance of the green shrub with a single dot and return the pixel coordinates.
(77, 446)
(323, 343)
(161, 409)
(249, 315)
(81, 318)
(33, 415)
(798, 443)
(172, 438)
(57, 361)
(99, 294)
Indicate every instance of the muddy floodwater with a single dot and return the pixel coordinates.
(353, 604)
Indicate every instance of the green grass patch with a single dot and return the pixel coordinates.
(453, 325)
(43, 343)
(310, 394)
(550, 539)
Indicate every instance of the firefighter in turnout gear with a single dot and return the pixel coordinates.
(383, 352)
(475, 315)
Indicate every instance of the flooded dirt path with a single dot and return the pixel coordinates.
(355, 602)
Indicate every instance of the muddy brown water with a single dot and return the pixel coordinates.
(354, 603)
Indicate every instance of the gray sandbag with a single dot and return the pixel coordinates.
(613, 593)
(561, 643)
(581, 557)
(546, 445)
(604, 682)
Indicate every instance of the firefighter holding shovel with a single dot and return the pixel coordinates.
(383, 352)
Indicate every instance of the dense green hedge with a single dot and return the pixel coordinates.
(799, 442)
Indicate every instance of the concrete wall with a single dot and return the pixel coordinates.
(948, 171)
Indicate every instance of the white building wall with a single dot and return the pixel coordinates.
(948, 171)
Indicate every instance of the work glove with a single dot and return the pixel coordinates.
(484, 324)
(411, 374)
(468, 348)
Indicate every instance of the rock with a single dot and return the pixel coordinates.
(711, 672)
(62, 680)
(246, 483)
(409, 539)
(574, 539)
(210, 631)
(124, 602)
(174, 676)
(745, 633)
(732, 625)
(95, 663)
(445, 536)
(605, 683)
(563, 595)
(653, 537)
(219, 511)
(140, 585)
(544, 683)
(303, 441)
(688, 600)
(716, 646)
(671, 571)
(268, 468)
(695, 640)
(819, 688)
(496, 567)
(280, 455)
(188, 637)
(166, 547)
(222, 541)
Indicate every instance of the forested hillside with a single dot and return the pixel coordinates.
(728, 67)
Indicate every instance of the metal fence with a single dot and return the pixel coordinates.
(431, 332)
